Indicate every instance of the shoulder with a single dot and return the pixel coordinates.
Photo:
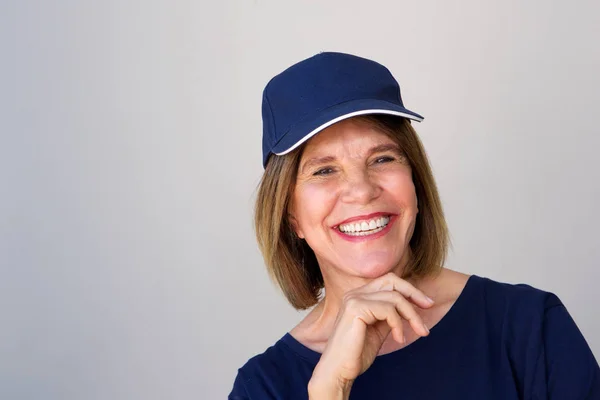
(498, 302)
(269, 360)
(545, 347)
(524, 318)
(513, 313)
(517, 300)
(280, 370)
(255, 371)
(272, 357)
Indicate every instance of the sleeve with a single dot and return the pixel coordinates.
(239, 389)
(566, 363)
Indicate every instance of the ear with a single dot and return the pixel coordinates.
(417, 203)
(295, 227)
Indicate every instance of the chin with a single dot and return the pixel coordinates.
(374, 269)
(365, 265)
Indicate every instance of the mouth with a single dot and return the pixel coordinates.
(365, 225)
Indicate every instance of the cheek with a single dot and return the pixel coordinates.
(402, 189)
(313, 204)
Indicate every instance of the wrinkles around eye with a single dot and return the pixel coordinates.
(384, 159)
(323, 171)
(330, 170)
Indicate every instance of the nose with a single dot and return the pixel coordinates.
(360, 188)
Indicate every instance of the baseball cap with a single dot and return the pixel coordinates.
(321, 90)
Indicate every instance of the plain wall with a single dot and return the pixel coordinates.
(130, 151)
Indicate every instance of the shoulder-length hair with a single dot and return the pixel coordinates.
(292, 264)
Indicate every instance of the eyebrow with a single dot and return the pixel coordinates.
(382, 148)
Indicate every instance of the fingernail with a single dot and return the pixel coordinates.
(426, 328)
(429, 299)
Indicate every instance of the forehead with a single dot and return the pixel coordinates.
(351, 136)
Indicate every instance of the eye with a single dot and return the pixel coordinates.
(323, 171)
(383, 159)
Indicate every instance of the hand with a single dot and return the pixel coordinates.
(367, 316)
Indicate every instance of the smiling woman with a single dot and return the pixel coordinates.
(309, 178)
(350, 223)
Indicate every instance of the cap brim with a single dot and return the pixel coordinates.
(310, 126)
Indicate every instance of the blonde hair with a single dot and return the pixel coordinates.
(292, 264)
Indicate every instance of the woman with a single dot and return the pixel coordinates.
(349, 220)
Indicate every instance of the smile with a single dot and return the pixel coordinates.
(365, 227)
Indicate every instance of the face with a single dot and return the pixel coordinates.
(354, 201)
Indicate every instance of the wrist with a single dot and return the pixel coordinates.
(327, 388)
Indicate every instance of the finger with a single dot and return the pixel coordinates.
(373, 311)
(384, 330)
(405, 309)
(391, 281)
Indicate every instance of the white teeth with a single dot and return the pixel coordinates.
(364, 228)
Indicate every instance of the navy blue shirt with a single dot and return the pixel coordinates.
(498, 341)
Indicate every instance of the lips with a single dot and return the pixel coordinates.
(366, 217)
(365, 226)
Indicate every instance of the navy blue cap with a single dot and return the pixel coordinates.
(317, 92)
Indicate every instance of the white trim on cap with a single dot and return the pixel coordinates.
(345, 116)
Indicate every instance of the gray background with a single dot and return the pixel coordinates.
(130, 152)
